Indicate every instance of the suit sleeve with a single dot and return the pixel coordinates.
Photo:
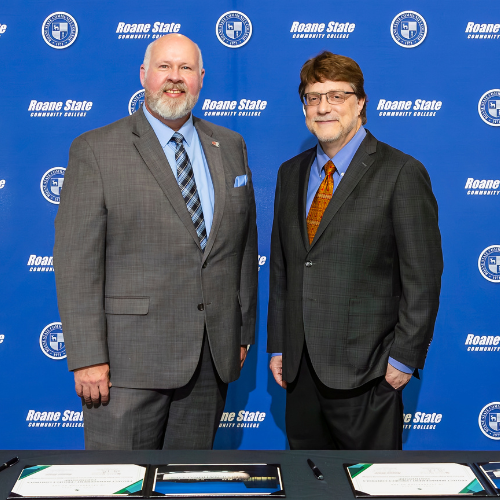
(249, 266)
(79, 259)
(277, 283)
(418, 240)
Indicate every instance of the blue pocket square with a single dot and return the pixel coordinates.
(241, 180)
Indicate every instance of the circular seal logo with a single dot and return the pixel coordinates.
(488, 107)
(52, 341)
(489, 263)
(233, 29)
(489, 420)
(51, 184)
(59, 30)
(408, 29)
(136, 101)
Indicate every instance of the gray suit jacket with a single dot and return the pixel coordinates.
(368, 285)
(133, 286)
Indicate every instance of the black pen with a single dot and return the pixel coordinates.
(316, 471)
(8, 464)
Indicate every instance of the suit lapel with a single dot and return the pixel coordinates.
(149, 148)
(361, 162)
(216, 167)
(304, 172)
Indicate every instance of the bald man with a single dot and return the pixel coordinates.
(156, 264)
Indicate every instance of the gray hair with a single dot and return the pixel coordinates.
(149, 49)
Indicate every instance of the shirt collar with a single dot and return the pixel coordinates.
(343, 158)
(165, 133)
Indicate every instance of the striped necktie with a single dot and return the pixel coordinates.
(321, 199)
(187, 185)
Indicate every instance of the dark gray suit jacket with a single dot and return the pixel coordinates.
(368, 285)
(133, 286)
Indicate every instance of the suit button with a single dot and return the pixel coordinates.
(201, 307)
(309, 263)
(204, 264)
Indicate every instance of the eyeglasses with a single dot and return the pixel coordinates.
(332, 97)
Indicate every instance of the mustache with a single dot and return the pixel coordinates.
(326, 119)
(175, 86)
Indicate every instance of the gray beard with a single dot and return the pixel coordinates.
(170, 109)
(342, 133)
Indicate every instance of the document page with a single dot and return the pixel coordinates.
(428, 479)
(80, 480)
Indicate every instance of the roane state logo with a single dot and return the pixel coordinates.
(136, 101)
(233, 29)
(59, 30)
(52, 183)
(489, 420)
(488, 107)
(52, 341)
(489, 263)
(408, 29)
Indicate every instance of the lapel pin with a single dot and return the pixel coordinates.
(215, 143)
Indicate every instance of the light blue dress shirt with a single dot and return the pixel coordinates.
(341, 161)
(195, 153)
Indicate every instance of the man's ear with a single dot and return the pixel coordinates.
(361, 103)
(202, 76)
(143, 74)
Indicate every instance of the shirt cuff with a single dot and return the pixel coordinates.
(400, 366)
(396, 364)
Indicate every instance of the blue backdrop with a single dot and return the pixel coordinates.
(73, 66)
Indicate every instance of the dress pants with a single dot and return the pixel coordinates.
(369, 417)
(151, 419)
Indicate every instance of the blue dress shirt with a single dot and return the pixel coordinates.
(195, 153)
(341, 161)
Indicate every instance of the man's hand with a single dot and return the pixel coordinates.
(92, 384)
(395, 377)
(276, 366)
(243, 354)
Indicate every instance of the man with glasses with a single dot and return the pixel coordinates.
(356, 268)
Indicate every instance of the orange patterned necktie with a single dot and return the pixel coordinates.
(321, 199)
